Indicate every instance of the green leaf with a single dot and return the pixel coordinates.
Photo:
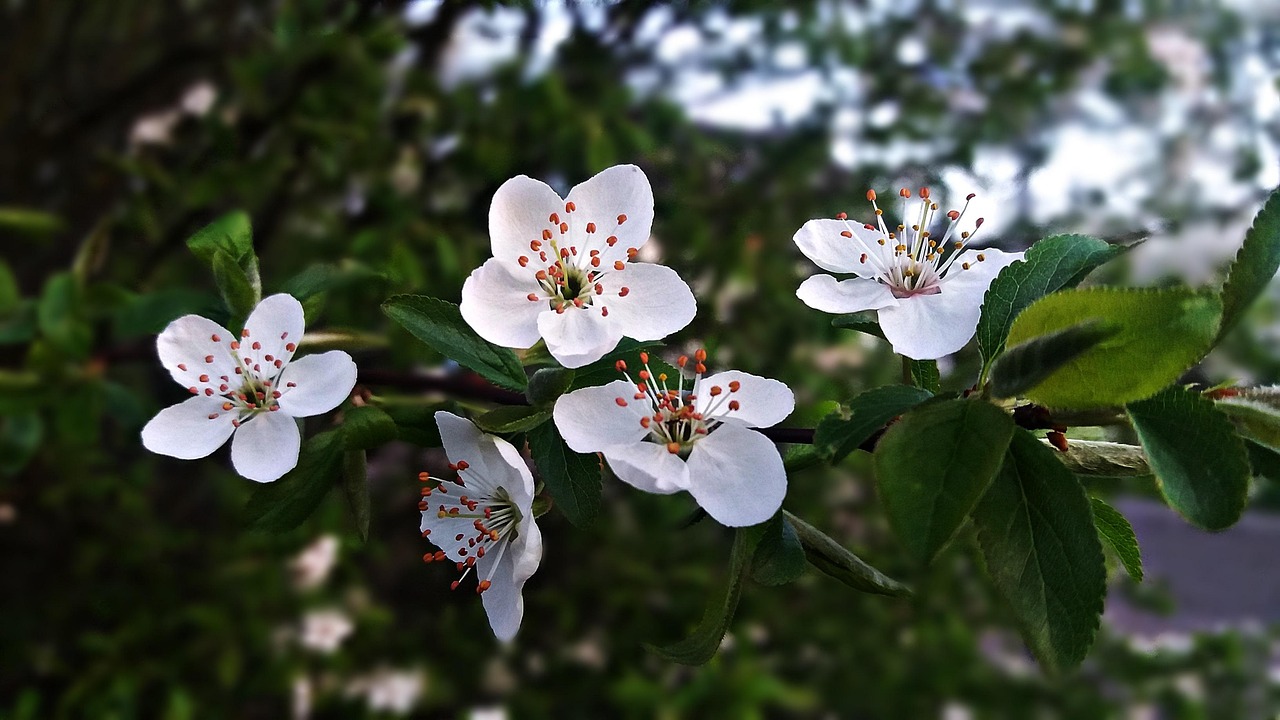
(836, 436)
(1255, 264)
(1117, 533)
(605, 371)
(933, 466)
(415, 423)
(28, 221)
(20, 437)
(1054, 263)
(1161, 333)
(779, 558)
(572, 479)
(1023, 366)
(355, 488)
(323, 277)
(548, 384)
(60, 315)
(701, 645)
(10, 295)
(367, 427)
(1257, 421)
(1036, 530)
(858, 322)
(924, 374)
(285, 504)
(1199, 461)
(834, 560)
(440, 325)
(231, 234)
(799, 457)
(513, 419)
(1264, 461)
(235, 286)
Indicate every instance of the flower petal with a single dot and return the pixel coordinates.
(185, 430)
(762, 402)
(821, 241)
(444, 529)
(616, 203)
(825, 293)
(503, 601)
(492, 461)
(271, 334)
(649, 467)
(266, 446)
(647, 301)
(591, 419)
(496, 305)
(578, 336)
(520, 211)
(980, 274)
(197, 353)
(736, 475)
(316, 384)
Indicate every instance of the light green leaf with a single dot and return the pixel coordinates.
(836, 436)
(924, 374)
(548, 384)
(231, 234)
(572, 479)
(440, 325)
(834, 560)
(1161, 333)
(799, 457)
(933, 466)
(322, 277)
(779, 558)
(513, 419)
(1114, 529)
(1255, 264)
(1199, 461)
(235, 286)
(355, 488)
(1036, 530)
(367, 427)
(858, 322)
(1023, 366)
(285, 504)
(1258, 421)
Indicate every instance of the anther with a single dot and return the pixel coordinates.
(904, 193)
(523, 260)
(871, 196)
(846, 233)
(620, 366)
(612, 240)
(591, 227)
(570, 207)
(842, 216)
(619, 265)
(673, 448)
(734, 405)
(622, 402)
(553, 218)
(734, 386)
(622, 219)
(622, 292)
(532, 297)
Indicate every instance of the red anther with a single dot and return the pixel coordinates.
(278, 363)
(842, 216)
(440, 555)
(846, 233)
(644, 374)
(535, 245)
(276, 394)
(632, 253)
(622, 219)
(612, 240)
(213, 416)
(978, 223)
(1058, 440)
(734, 405)
(235, 423)
(493, 535)
(598, 288)
(871, 196)
(540, 275)
(623, 291)
(673, 448)
(428, 558)
(290, 385)
(257, 346)
(208, 358)
(424, 476)
(215, 338)
(235, 345)
(425, 492)
(426, 533)
(454, 585)
(700, 368)
(244, 333)
(904, 193)
(640, 395)
(591, 227)
(953, 215)
(734, 386)
(564, 253)
(971, 196)
(523, 260)
(604, 311)
(645, 422)
(546, 234)
(422, 504)
(924, 193)
(1224, 393)
(463, 464)
(484, 585)
(700, 355)
(480, 551)
(208, 391)
(564, 228)
(268, 358)
(227, 406)
(644, 357)
(622, 402)
(577, 302)
(619, 265)
(595, 262)
(204, 378)
(682, 361)
(862, 258)
(620, 366)
(570, 207)
(182, 367)
(532, 297)
(553, 218)
(487, 512)
(716, 390)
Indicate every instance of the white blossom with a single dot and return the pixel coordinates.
(324, 630)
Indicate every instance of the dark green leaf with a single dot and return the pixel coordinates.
(20, 437)
(235, 286)
(933, 466)
(415, 423)
(834, 560)
(149, 314)
(1258, 421)
(439, 324)
(924, 374)
(1117, 533)
(1023, 366)
(513, 418)
(1255, 264)
(60, 316)
(1035, 526)
(572, 479)
(548, 384)
(860, 323)
(605, 371)
(1199, 461)
(701, 645)
(231, 234)
(367, 427)
(355, 488)
(323, 277)
(1054, 263)
(799, 457)
(779, 557)
(10, 296)
(285, 504)
(1264, 461)
(837, 436)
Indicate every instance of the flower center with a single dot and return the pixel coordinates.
(675, 422)
(255, 393)
(495, 522)
(566, 277)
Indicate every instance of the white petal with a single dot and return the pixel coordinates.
(980, 274)
(820, 240)
(736, 475)
(496, 305)
(927, 327)
(621, 191)
(445, 529)
(578, 336)
(189, 351)
(591, 419)
(762, 402)
(503, 602)
(656, 302)
(492, 461)
(185, 431)
(266, 446)
(825, 293)
(649, 467)
(520, 211)
(271, 334)
(316, 384)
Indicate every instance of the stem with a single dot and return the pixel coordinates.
(907, 377)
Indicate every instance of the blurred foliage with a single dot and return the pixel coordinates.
(365, 153)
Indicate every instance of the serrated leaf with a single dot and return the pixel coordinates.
(1036, 530)
(355, 488)
(572, 479)
(439, 324)
(1255, 264)
(924, 374)
(513, 419)
(367, 427)
(858, 322)
(1161, 333)
(548, 384)
(933, 466)
(1023, 366)
(701, 645)
(604, 370)
(285, 504)
(415, 423)
(835, 561)
(231, 234)
(235, 287)
(799, 457)
(779, 558)
(836, 436)
(322, 277)
(1198, 460)
(1258, 421)
(1054, 263)
(1114, 529)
